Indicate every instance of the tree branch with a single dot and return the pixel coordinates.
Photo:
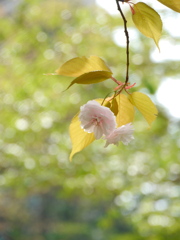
(127, 40)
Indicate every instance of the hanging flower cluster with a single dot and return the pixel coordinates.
(112, 119)
(101, 121)
(109, 118)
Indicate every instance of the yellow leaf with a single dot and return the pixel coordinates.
(173, 4)
(144, 104)
(91, 77)
(81, 65)
(113, 106)
(79, 138)
(148, 21)
(125, 110)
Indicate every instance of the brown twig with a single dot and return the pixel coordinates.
(127, 40)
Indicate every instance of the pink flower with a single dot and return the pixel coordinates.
(97, 119)
(123, 134)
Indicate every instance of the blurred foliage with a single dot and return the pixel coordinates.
(125, 193)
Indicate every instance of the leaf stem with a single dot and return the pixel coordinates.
(116, 81)
(127, 40)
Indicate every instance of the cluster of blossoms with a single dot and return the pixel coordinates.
(101, 121)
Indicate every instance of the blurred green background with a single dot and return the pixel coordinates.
(118, 193)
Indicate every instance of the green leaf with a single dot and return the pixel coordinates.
(148, 21)
(91, 77)
(125, 110)
(173, 4)
(81, 65)
(144, 104)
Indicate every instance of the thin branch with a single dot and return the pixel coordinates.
(127, 40)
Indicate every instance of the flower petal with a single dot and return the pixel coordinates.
(96, 118)
(123, 134)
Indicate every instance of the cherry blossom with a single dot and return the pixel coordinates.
(97, 119)
(123, 134)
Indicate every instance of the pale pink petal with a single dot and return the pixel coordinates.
(123, 134)
(96, 118)
(98, 132)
